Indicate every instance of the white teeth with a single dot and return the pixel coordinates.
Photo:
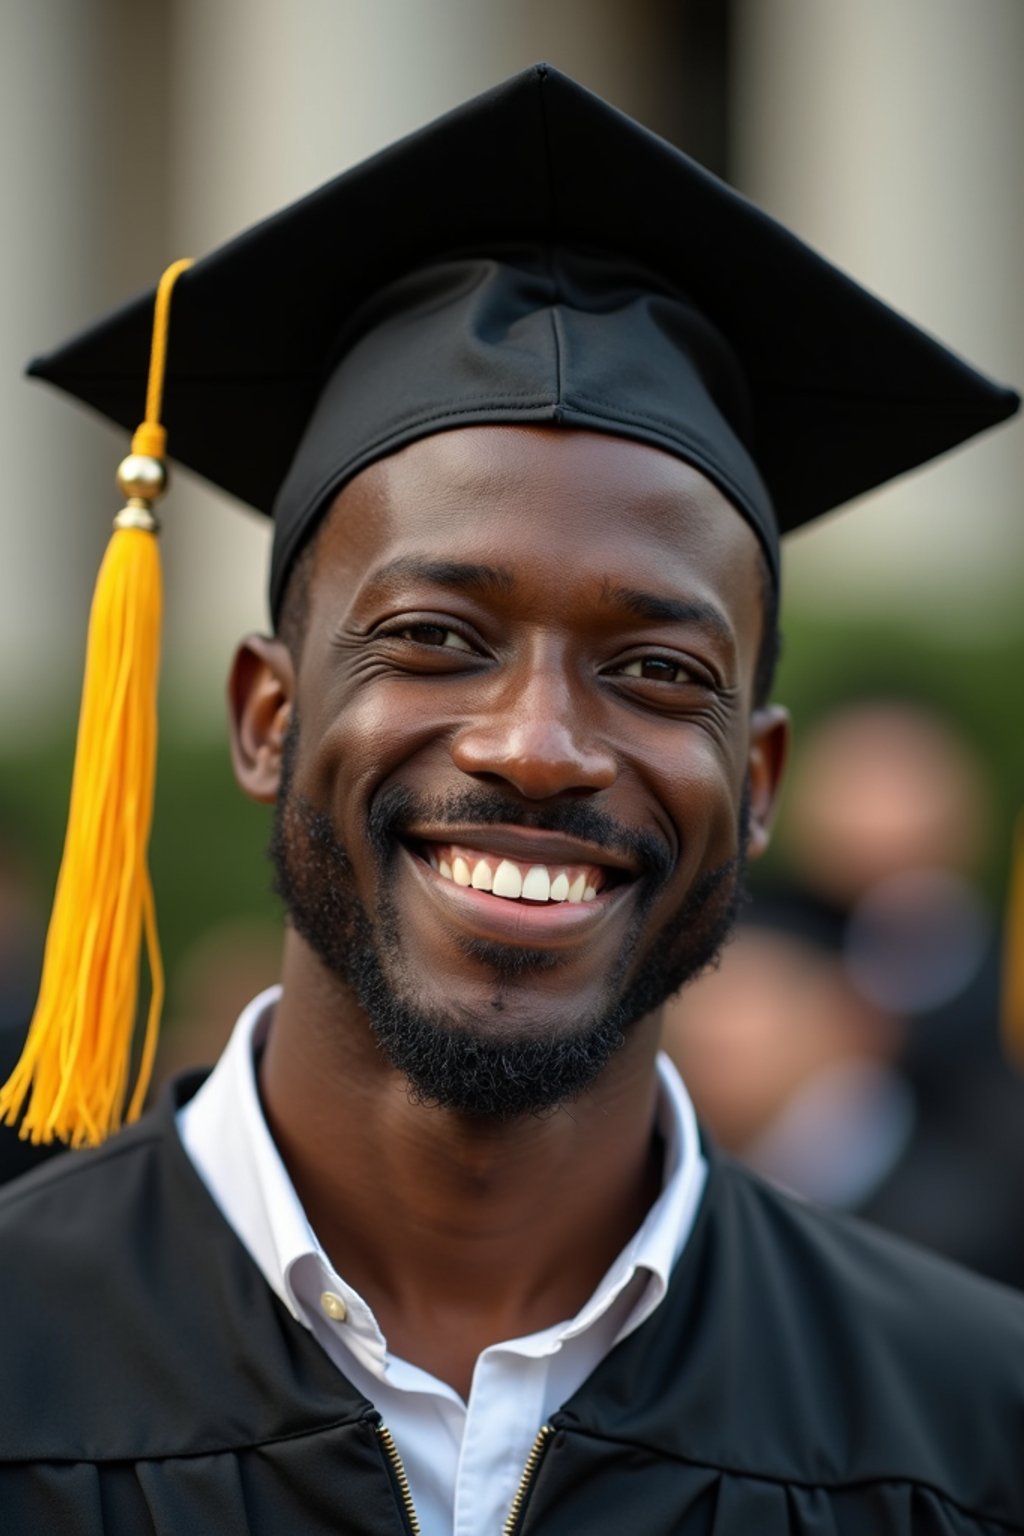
(482, 880)
(507, 880)
(460, 871)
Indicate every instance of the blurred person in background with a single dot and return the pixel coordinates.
(790, 1065)
(848, 1045)
(889, 814)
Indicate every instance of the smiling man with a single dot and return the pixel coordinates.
(437, 1245)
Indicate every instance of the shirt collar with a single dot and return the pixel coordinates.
(226, 1135)
(662, 1235)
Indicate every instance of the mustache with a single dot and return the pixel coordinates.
(396, 810)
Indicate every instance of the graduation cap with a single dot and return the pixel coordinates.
(533, 256)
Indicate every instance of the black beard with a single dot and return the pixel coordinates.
(455, 1059)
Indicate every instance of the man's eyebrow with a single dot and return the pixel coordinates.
(465, 576)
(669, 610)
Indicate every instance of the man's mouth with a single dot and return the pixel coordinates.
(481, 869)
(519, 886)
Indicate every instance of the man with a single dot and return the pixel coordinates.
(437, 1246)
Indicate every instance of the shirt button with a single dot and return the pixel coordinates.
(334, 1306)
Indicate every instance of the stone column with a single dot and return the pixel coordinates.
(891, 136)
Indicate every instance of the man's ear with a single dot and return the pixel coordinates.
(261, 690)
(769, 748)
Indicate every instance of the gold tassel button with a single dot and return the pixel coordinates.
(140, 477)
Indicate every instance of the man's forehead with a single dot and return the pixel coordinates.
(478, 460)
(499, 476)
(484, 510)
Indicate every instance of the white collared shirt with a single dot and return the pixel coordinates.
(464, 1460)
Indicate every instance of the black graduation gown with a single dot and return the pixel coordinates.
(804, 1374)
(958, 1186)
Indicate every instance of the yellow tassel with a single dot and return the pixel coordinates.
(76, 1064)
(1013, 955)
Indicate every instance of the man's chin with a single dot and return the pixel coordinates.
(494, 1071)
(494, 1041)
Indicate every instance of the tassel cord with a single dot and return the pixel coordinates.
(76, 1064)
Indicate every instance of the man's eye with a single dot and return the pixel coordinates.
(434, 634)
(656, 669)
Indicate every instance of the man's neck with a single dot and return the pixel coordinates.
(459, 1232)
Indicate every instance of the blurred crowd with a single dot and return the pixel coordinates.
(847, 1045)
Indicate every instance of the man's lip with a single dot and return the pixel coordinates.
(527, 845)
(527, 924)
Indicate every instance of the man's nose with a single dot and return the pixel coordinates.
(540, 736)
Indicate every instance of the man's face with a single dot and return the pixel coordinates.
(513, 802)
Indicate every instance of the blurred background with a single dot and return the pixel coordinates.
(891, 137)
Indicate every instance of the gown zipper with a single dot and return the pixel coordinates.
(533, 1461)
(515, 1514)
(387, 1440)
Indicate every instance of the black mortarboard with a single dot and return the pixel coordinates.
(533, 256)
(536, 256)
